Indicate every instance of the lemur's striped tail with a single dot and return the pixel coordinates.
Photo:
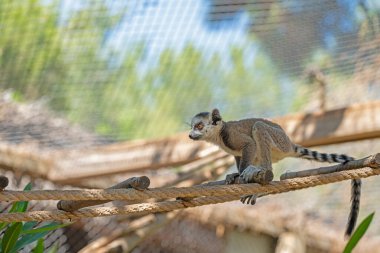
(355, 183)
(321, 157)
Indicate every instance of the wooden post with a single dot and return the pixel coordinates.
(289, 242)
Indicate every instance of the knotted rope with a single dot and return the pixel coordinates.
(202, 194)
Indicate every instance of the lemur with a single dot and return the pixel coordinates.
(256, 143)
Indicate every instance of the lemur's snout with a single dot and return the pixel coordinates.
(194, 137)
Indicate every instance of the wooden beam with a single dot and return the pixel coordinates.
(128, 238)
(352, 123)
(356, 122)
(317, 234)
(174, 151)
(26, 159)
(290, 242)
(275, 218)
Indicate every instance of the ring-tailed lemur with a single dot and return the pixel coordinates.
(257, 143)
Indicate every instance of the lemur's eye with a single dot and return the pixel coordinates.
(199, 126)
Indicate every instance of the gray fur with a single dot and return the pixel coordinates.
(257, 143)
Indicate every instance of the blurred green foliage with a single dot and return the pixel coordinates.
(63, 58)
(18, 235)
(358, 233)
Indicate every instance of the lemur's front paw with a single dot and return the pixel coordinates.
(249, 199)
(230, 178)
(253, 174)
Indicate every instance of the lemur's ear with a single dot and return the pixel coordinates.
(215, 116)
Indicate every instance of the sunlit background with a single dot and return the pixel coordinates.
(137, 69)
(86, 73)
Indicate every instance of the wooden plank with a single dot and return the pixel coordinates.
(155, 154)
(321, 128)
(356, 122)
(26, 159)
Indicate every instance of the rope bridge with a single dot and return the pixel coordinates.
(199, 195)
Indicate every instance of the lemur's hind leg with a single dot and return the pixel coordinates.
(268, 138)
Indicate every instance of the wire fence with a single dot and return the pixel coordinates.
(136, 69)
(79, 74)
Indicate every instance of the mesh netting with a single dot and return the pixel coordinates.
(79, 74)
(136, 69)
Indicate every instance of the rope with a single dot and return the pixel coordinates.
(185, 192)
(205, 195)
(141, 209)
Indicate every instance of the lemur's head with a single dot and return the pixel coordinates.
(205, 125)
